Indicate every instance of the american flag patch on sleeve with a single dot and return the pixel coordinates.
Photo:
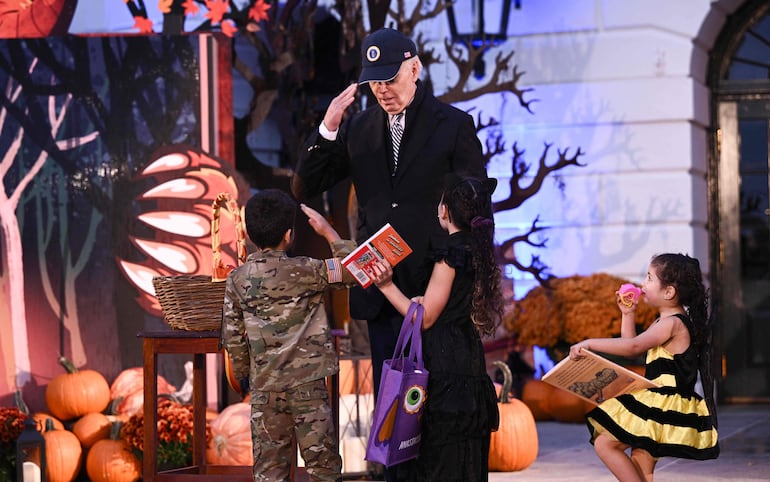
(334, 270)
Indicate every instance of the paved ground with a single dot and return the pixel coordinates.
(744, 436)
(744, 440)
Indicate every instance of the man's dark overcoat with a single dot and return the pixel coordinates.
(438, 139)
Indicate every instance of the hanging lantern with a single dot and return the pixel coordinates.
(468, 24)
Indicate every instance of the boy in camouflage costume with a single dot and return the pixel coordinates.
(287, 353)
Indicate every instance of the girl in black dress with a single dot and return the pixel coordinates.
(462, 302)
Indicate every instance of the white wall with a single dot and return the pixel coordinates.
(624, 80)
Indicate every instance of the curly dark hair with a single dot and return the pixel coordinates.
(469, 204)
(268, 214)
(684, 274)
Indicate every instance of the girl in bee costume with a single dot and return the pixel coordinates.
(672, 420)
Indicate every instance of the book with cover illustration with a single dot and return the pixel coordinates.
(384, 244)
(595, 378)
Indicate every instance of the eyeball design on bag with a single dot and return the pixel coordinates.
(414, 399)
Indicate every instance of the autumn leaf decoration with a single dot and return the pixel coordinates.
(222, 13)
(217, 10)
(258, 11)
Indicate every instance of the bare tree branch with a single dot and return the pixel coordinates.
(519, 194)
(422, 11)
(505, 254)
(495, 83)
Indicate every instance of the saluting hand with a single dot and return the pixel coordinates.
(319, 223)
(338, 106)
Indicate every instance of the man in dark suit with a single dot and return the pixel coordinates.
(396, 180)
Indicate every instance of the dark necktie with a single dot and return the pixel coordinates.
(396, 131)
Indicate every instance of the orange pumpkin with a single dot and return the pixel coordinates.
(231, 437)
(77, 392)
(63, 454)
(92, 427)
(127, 391)
(514, 446)
(40, 421)
(565, 406)
(131, 380)
(111, 460)
(536, 396)
(39, 417)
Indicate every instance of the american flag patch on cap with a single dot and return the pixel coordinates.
(334, 270)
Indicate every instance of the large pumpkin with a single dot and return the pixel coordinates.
(111, 460)
(536, 395)
(231, 437)
(63, 454)
(77, 392)
(127, 391)
(131, 380)
(514, 446)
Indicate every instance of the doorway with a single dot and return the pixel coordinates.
(740, 231)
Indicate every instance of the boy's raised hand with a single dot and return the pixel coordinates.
(319, 223)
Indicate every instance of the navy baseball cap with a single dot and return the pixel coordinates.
(382, 53)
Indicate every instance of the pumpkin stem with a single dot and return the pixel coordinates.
(18, 402)
(112, 408)
(115, 430)
(48, 425)
(171, 396)
(507, 380)
(68, 365)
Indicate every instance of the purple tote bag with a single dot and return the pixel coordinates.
(396, 426)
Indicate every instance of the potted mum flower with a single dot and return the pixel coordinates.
(570, 310)
(11, 425)
(175, 433)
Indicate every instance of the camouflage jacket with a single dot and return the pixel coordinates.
(277, 302)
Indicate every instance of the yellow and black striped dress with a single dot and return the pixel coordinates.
(670, 421)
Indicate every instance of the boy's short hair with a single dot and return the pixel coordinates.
(268, 215)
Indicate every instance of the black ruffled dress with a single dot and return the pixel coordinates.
(461, 408)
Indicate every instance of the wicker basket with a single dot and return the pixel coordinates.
(194, 302)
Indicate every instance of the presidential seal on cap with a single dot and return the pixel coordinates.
(382, 54)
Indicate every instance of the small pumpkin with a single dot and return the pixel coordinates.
(514, 445)
(63, 454)
(231, 437)
(536, 395)
(40, 419)
(111, 459)
(91, 427)
(565, 406)
(77, 392)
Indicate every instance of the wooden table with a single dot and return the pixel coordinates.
(197, 343)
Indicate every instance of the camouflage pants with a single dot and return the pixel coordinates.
(304, 411)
